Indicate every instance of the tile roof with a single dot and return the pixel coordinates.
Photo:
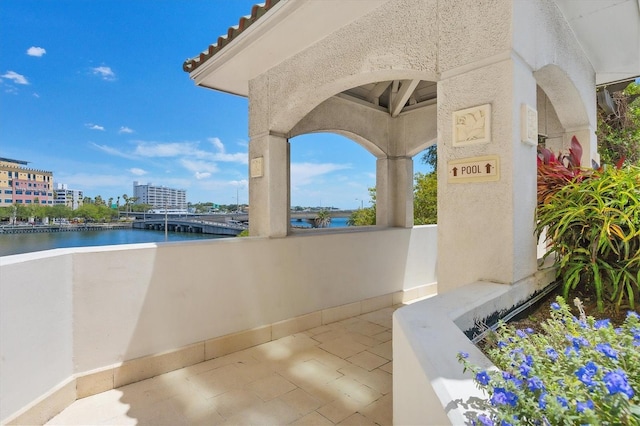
(257, 11)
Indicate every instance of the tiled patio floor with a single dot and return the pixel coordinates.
(338, 373)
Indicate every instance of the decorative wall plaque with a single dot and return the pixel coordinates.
(472, 125)
(256, 167)
(529, 129)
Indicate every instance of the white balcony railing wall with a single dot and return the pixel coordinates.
(73, 314)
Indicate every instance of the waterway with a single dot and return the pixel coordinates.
(26, 243)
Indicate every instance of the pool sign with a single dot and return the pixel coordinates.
(475, 169)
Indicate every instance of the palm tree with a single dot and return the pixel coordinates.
(322, 220)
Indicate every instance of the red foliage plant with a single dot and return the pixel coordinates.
(555, 172)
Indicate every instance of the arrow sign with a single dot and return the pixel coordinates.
(474, 169)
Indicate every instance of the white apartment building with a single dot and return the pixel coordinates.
(160, 197)
(69, 197)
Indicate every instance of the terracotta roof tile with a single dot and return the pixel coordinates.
(257, 11)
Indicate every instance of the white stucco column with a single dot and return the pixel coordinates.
(394, 192)
(269, 212)
(486, 223)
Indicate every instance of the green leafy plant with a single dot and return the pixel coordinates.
(593, 227)
(577, 371)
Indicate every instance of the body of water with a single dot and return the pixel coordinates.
(27, 243)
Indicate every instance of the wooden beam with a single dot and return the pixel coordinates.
(400, 99)
(377, 91)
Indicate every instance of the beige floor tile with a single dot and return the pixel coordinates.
(367, 360)
(302, 401)
(274, 412)
(271, 387)
(388, 367)
(235, 401)
(310, 372)
(198, 411)
(356, 390)
(215, 382)
(366, 328)
(317, 330)
(330, 335)
(377, 379)
(160, 413)
(336, 411)
(357, 419)
(380, 411)
(344, 347)
(362, 339)
(385, 336)
(384, 350)
(93, 409)
(313, 419)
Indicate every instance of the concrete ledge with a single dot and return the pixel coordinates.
(103, 379)
(429, 386)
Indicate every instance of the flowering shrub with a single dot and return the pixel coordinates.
(577, 371)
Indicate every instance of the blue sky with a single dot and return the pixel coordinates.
(94, 91)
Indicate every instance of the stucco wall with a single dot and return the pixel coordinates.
(69, 311)
(36, 331)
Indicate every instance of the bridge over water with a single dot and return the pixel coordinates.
(190, 225)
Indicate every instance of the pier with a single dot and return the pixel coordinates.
(32, 229)
(191, 226)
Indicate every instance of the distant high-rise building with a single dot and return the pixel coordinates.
(69, 197)
(160, 197)
(24, 185)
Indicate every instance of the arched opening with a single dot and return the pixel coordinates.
(329, 173)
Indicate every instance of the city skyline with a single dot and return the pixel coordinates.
(95, 93)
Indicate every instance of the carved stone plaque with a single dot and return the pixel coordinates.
(472, 125)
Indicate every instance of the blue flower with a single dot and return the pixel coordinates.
(502, 344)
(563, 401)
(604, 323)
(463, 355)
(616, 382)
(586, 374)
(551, 353)
(529, 330)
(483, 378)
(542, 401)
(524, 369)
(510, 377)
(632, 314)
(606, 349)
(521, 334)
(581, 406)
(484, 420)
(501, 396)
(534, 384)
(555, 306)
(505, 423)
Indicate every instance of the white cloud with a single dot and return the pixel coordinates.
(240, 157)
(105, 72)
(198, 166)
(112, 151)
(15, 77)
(36, 51)
(138, 172)
(94, 127)
(35, 95)
(203, 175)
(216, 142)
(125, 129)
(169, 149)
(305, 173)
